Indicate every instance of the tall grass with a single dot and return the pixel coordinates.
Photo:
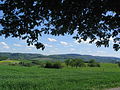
(34, 78)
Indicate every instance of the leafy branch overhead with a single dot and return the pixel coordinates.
(97, 20)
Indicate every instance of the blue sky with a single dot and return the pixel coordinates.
(56, 45)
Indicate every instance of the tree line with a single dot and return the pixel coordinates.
(58, 64)
(80, 63)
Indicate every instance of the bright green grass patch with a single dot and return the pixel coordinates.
(8, 61)
(34, 78)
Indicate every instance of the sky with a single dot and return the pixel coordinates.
(56, 45)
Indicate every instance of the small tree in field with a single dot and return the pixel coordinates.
(93, 63)
(67, 62)
(57, 65)
(77, 63)
(51, 64)
(119, 64)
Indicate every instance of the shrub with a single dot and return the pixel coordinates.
(119, 64)
(67, 62)
(77, 63)
(56, 64)
(49, 64)
(26, 64)
(36, 62)
(93, 63)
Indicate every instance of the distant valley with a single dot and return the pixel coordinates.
(62, 57)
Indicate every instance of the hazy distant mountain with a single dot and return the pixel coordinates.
(28, 56)
(86, 57)
(62, 57)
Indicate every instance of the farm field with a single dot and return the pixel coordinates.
(36, 78)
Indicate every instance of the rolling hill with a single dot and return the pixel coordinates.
(62, 57)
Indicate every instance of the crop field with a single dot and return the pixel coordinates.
(67, 78)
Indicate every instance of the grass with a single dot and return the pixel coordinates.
(34, 78)
(8, 61)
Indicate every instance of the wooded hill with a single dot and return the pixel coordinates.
(62, 57)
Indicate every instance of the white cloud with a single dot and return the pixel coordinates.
(100, 52)
(7, 47)
(14, 49)
(29, 48)
(71, 45)
(53, 51)
(48, 45)
(17, 45)
(72, 49)
(64, 43)
(52, 40)
(4, 45)
(76, 42)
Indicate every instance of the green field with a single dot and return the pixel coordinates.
(35, 78)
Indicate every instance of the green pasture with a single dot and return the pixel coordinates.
(67, 78)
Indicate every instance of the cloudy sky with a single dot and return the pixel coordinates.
(56, 45)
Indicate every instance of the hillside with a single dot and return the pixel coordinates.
(29, 56)
(86, 57)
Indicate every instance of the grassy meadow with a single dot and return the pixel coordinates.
(67, 78)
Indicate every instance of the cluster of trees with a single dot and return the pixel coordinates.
(48, 64)
(3, 58)
(93, 63)
(56, 64)
(26, 64)
(118, 64)
(75, 62)
(80, 63)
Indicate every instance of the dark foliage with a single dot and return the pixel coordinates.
(93, 63)
(67, 62)
(118, 64)
(3, 58)
(25, 64)
(75, 63)
(56, 65)
(36, 62)
(97, 20)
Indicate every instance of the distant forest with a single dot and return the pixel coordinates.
(61, 57)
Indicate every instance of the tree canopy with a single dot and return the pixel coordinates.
(97, 20)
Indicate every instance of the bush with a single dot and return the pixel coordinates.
(49, 64)
(56, 64)
(77, 63)
(119, 64)
(36, 62)
(67, 62)
(26, 64)
(93, 63)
